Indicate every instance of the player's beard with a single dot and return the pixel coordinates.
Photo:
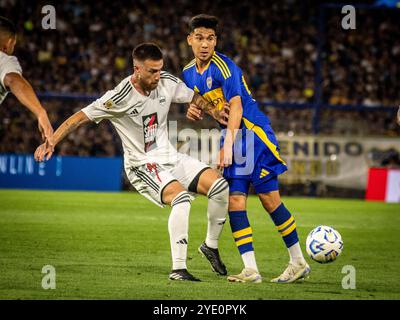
(152, 86)
(148, 87)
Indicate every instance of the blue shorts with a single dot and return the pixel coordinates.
(256, 161)
(242, 186)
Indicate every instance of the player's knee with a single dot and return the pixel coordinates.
(237, 202)
(219, 191)
(270, 201)
(171, 191)
(271, 207)
(181, 197)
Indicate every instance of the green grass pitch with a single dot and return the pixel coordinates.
(116, 246)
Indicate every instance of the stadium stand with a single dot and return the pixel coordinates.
(275, 44)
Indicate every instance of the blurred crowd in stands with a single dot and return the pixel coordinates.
(276, 45)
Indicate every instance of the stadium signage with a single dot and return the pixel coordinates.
(60, 173)
(20, 165)
(335, 161)
(324, 148)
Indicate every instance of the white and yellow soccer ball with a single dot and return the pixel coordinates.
(324, 244)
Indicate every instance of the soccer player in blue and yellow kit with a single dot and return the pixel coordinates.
(250, 152)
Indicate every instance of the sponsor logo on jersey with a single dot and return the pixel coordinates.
(150, 126)
(209, 82)
(153, 169)
(162, 100)
(216, 97)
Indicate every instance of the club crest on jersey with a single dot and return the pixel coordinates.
(108, 104)
(209, 82)
(162, 100)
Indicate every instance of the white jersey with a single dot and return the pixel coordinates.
(8, 64)
(141, 121)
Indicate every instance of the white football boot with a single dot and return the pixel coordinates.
(247, 275)
(293, 272)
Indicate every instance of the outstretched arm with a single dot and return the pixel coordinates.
(23, 91)
(69, 125)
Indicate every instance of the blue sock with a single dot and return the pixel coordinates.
(241, 231)
(286, 225)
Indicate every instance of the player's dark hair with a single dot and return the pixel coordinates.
(205, 21)
(147, 50)
(7, 27)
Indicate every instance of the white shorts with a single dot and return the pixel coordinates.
(150, 179)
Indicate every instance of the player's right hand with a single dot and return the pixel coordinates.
(194, 113)
(44, 151)
(46, 130)
(398, 116)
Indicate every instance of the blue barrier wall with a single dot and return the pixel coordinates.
(61, 173)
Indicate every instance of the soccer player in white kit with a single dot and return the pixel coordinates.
(11, 79)
(138, 109)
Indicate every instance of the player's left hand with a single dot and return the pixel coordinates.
(46, 130)
(194, 113)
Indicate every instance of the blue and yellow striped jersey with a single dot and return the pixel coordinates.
(221, 81)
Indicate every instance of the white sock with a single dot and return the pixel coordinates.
(178, 227)
(218, 198)
(249, 260)
(296, 256)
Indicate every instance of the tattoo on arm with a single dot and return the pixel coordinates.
(69, 125)
(202, 103)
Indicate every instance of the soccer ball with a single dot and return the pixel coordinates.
(324, 244)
